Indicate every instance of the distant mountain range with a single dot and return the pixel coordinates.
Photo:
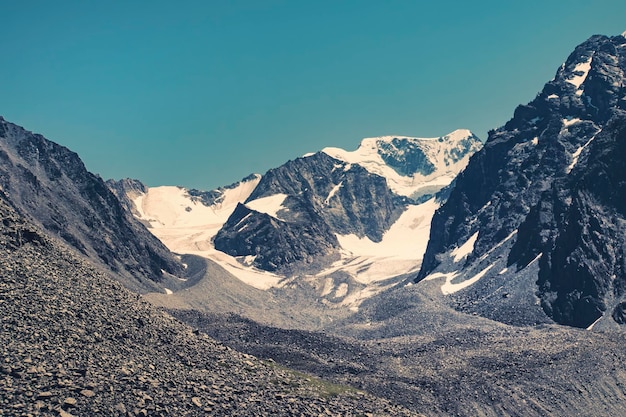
(365, 213)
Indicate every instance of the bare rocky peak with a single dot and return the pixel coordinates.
(541, 200)
(50, 184)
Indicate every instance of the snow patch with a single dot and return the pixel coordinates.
(577, 153)
(333, 192)
(535, 141)
(437, 150)
(568, 122)
(465, 249)
(490, 251)
(249, 259)
(552, 96)
(535, 259)
(342, 290)
(583, 67)
(594, 323)
(269, 205)
(450, 288)
(328, 287)
(168, 291)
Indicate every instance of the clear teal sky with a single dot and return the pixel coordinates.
(202, 93)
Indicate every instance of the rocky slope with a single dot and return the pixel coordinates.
(408, 346)
(50, 184)
(320, 196)
(75, 342)
(352, 220)
(537, 218)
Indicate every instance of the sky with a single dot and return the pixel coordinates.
(202, 93)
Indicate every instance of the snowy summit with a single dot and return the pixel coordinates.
(413, 166)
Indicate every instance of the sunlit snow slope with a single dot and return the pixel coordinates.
(413, 166)
(187, 221)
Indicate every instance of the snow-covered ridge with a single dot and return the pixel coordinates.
(187, 221)
(413, 166)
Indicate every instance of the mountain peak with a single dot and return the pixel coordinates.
(456, 135)
(413, 166)
(534, 198)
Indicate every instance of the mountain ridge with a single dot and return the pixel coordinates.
(50, 184)
(509, 183)
(347, 213)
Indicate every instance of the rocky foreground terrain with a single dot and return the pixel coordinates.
(448, 363)
(75, 342)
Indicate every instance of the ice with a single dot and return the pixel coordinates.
(594, 323)
(333, 192)
(270, 205)
(437, 152)
(577, 153)
(450, 288)
(584, 67)
(465, 249)
(568, 122)
(400, 250)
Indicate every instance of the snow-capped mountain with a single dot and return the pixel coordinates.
(50, 185)
(533, 230)
(413, 167)
(364, 213)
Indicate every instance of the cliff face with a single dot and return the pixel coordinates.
(50, 184)
(320, 196)
(546, 186)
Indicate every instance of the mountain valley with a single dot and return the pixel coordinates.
(411, 276)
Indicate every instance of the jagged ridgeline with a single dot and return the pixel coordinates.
(49, 184)
(539, 214)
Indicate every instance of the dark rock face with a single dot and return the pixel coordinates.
(582, 221)
(125, 188)
(324, 196)
(50, 184)
(274, 243)
(410, 161)
(410, 156)
(553, 176)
